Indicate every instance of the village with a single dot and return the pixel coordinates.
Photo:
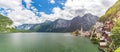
(100, 34)
(81, 33)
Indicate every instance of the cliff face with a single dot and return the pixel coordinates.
(113, 12)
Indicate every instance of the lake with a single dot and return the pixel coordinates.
(45, 42)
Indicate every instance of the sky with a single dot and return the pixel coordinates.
(38, 11)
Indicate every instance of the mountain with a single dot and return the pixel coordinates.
(43, 27)
(6, 25)
(24, 27)
(111, 13)
(86, 22)
(62, 25)
(35, 27)
(59, 25)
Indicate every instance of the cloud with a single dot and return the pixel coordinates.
(28, 2)
(75, 8)
(9, 3)
(52, 1)
(96, 7)
(72, 8)
(25, 16)
(19, 15)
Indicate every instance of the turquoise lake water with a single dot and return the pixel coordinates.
(45, 42)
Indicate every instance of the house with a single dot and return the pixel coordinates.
(109, 25)
(102, 42)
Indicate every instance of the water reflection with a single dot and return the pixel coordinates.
(15, 39)
(45, 42)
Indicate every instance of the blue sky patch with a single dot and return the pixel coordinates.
(45, 5)
(2, 11)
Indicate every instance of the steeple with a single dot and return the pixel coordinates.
(81, 30)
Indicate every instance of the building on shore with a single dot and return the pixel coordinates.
(81, 32)
(102, 32)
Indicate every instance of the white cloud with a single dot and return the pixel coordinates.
(72, 9)
(19, 15)
(28, 2)
(96, 7)
(52, 1)
(75, 8)
(25, 16)
(9, 3)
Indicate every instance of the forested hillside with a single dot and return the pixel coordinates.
(6, 25)
(111, 13)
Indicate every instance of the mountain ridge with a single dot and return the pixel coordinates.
(62, 25)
